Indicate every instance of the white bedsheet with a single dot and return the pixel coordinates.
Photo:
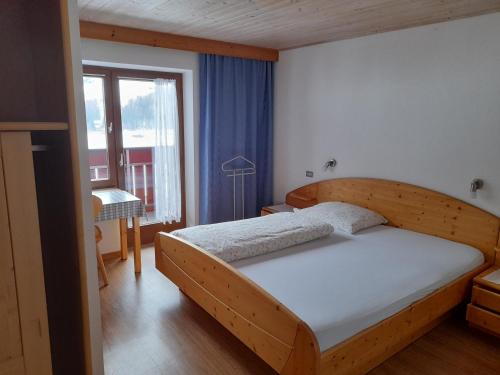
(240, 239)
(344, 283)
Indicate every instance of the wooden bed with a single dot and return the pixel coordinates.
(285, 342)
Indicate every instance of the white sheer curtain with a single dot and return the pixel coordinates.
(166, 159)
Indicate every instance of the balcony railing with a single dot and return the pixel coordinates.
(98, 172)
(138, 167)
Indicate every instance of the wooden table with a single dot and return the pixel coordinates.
(121, 205)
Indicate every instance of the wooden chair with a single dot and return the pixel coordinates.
(97, 205)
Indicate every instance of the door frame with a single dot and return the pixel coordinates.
(115, 74)
(105, 73)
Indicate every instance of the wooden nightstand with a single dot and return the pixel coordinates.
(484, 310)
(276, 208)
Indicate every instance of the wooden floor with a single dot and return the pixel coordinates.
(150, 328)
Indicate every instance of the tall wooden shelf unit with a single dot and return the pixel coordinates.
(44, 314)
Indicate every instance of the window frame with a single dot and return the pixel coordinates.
(112, 181)
(114, 108)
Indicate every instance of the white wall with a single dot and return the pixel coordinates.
(420, 105)
(91, 302)
(130, 56)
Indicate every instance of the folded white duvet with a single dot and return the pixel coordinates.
(240, 239)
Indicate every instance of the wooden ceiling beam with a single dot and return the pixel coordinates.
(92, 30)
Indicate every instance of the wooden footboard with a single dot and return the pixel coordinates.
(261, 322)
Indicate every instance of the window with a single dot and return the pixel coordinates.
(96, 86)
(121, 136)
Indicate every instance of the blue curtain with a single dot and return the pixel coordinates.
(236, 118)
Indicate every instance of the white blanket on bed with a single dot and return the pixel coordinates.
(240, 239)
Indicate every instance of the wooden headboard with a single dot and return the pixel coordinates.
(409, 207)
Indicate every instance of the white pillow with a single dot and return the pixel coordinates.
(344, 216)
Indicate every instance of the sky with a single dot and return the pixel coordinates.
(129, 89)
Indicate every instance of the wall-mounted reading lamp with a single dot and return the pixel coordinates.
(330, 164)
(475, 185)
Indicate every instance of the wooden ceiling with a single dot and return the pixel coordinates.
(279, 24)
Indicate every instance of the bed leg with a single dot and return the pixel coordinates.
(305, 356)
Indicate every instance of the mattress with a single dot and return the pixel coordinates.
(343, 284)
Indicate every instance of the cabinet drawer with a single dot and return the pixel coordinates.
(483, 319)
(485, 298)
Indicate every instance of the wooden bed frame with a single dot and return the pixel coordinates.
(285, 342)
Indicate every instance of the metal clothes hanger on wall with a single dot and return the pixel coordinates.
(237, 172)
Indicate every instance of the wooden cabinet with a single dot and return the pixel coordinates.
(32, 66)
(11, 354)
(49, 301)
(484, 310)
(25, 343)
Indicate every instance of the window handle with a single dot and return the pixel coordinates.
(110, 127)
(121, 159)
